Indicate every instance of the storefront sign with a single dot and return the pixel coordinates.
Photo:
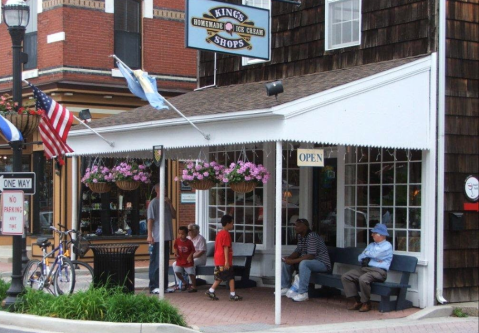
(12, 212)
(311, 157)
(188, 198)
(158, 155)
(227, 28)
(471, 188)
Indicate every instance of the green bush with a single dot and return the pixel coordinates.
(3, 289)
(101, 304)
(457, 312)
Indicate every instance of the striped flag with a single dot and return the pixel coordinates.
(143, 86)
(54, 126)
(53, 145)
(9, 131)
(60, 118)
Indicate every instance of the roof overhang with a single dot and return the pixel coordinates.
(391, 109)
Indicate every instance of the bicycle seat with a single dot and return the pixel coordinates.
(43, 242)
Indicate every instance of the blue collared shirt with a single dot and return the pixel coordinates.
(381, 254)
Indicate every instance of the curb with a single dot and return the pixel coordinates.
(432, 312)
(55, 325)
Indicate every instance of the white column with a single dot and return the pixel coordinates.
(162, 230)
(340, 176)
(74, 200)
(277, 259)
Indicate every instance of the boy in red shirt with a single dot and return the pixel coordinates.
(184, 250)
(224, 260)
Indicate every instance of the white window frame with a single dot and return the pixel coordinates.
(328, 28)
(266, 4)
(355, 159)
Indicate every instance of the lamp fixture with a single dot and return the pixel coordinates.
(16, 13)
(274, 88)
(85, 115)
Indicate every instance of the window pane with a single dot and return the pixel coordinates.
(401, 195)
(415, 195)
(362, 238)
(374, 195)
(362, 195)
(349, 237)
(361, 219)
(401, 241)
(349, 217)
(415, 173)
(401, 218)
(388, 217)
(388, 196)
(349, 195)
(401, 173)
(375, 173)
(414, 218)
(362, 174)
(374, 217)
(414, 241)
(346, 32)
(388, 173)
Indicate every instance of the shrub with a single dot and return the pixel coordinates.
(3, 289)
(101, 304)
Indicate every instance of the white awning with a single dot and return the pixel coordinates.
(391, 109)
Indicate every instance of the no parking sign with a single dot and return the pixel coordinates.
(12, 212)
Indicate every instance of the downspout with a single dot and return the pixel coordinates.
(440, 152)
(198, 73)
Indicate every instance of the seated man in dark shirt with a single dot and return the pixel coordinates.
(311, 255)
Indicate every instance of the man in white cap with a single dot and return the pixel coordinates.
(375, 261)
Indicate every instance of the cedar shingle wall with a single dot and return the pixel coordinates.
(461, 257)
(390, 30)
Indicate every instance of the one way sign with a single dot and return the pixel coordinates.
(20, 181)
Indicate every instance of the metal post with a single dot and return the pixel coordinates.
(17, 34)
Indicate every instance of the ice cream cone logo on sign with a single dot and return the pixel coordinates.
(157, 154)
(228, 28)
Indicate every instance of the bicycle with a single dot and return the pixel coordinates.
(83, 271)
(61, 275)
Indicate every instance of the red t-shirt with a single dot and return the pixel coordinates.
(223, 239)
(184, 248)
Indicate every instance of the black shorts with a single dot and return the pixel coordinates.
(222, 274)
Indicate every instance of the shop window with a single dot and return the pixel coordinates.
(290, 194)
(43, 199)
(127, 18)
(30, 40)
(246, 208)
(266, 4)
(383, 185)
(343, 23)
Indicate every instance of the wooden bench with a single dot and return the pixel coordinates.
(242, 258)
(400, 263)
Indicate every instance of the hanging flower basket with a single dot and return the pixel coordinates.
(127, 185)
(204, 184)
(26, 123)
(243, 187)
(102, 187)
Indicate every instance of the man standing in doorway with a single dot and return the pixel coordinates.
(154, 238)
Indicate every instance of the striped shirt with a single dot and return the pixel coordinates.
(313, 244)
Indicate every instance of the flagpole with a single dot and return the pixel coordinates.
(206, 136)
(112, 144)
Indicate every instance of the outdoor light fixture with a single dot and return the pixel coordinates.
(85, 115)
(274, 88)
(16, 13)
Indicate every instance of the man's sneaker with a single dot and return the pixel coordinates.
(155, 291)
(301, 297)
(291, 293)
(284, 291)
(235, 298)
(211, 295)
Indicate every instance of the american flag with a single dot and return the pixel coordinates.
(54, 126)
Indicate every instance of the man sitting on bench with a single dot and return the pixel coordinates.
(311, 255)
(375, 261)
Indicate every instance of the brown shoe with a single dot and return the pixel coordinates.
(356, 306)
(366, 307)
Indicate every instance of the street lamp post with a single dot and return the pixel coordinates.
(16, 14)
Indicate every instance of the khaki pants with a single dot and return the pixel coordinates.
(362, 278)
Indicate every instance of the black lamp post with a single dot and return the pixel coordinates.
(16, 15)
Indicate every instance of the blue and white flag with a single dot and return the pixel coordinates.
(9, 131)
(143, 86)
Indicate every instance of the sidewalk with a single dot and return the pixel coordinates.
(256, 313)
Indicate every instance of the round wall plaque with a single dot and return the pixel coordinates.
(471, 188)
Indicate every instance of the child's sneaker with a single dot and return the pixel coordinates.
(235, 298)
(211, 295)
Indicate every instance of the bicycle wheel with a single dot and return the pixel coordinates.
(83, 276)
(64, 278)
(32, 275)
